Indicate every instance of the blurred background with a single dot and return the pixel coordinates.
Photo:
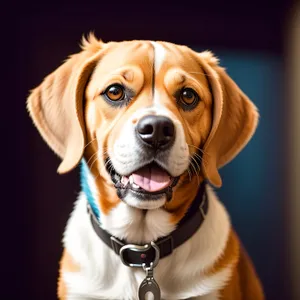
(259, 44)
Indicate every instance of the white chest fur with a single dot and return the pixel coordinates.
(180, 275)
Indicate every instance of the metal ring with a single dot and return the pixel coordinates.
(138, 248)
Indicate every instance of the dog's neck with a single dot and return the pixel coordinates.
(126, 222)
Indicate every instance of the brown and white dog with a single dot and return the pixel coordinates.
(153, 112)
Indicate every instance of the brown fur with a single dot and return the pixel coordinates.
(244, 283)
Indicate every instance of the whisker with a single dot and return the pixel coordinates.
(91, 166)
(196, 162)
(97, 153)
(190, 145)
(201, 150)
(195, 170)
(91, 157)
(93, 140)
(103, 167)
(200, 158)
(109, 168)
(195, 173)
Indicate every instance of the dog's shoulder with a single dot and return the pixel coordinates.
(244, 283)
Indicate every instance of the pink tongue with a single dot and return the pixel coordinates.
(151, 179)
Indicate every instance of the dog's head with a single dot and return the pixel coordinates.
(146, 116)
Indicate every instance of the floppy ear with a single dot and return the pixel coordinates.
(235, 119)
(56, 106)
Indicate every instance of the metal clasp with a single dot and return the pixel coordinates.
(149, 284)
(138, 248)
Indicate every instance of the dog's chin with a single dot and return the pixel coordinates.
(142, 201)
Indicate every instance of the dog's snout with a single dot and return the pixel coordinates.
(156, 131)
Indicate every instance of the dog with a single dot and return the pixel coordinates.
(150, 124)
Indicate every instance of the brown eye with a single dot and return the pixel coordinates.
(188, 96)
(115, 92)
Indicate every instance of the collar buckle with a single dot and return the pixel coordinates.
(142, 255)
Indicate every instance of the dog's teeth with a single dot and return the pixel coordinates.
(135, 185)
(131, 179)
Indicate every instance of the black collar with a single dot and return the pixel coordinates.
(134, 255)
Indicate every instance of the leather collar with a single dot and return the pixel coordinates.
(137, 255)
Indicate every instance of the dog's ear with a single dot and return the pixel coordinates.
(235, 119)
(56, 106)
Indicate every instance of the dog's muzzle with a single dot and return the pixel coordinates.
(155, 135)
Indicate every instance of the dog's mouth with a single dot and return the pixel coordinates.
(150, 179)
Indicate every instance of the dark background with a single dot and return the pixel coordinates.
(36, 200)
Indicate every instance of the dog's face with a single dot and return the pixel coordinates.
(148, 106)
(151, 119)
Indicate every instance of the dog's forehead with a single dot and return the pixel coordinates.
(127, 53)
(150, 56)
(169, 54)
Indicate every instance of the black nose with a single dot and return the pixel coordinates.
(156, 131)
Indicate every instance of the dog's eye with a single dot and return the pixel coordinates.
(188, 96)
(115, 92)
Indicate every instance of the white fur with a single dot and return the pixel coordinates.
(180, 275)
(156, 102)
(131, 224)
(149, 204)
(159, 56)
(91, 115)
